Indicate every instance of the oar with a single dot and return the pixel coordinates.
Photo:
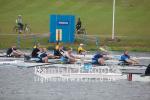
(140, 65)
(140, 58)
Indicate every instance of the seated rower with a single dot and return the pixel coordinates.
(81, 50)
(43, 55)
(147, 71)
(58, 51)
(35, 51)
(14, 52)
(68, 57)
(98, 59)
(127, 59)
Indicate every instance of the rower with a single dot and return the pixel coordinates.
(81, 50)
(147, 71)
(14, 52)
(127, 59)
(68, 57)
(35, 51)
(98, 59)
(58, 50)
(43, 55)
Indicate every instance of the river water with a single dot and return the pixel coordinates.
(19, 84)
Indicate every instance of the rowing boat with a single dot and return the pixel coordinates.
(123, 69)
(14, 62)
(89, 56)
(117, 57)
(22, 63)
(79, 63)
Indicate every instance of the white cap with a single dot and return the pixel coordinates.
(81, 44)
(102, 49)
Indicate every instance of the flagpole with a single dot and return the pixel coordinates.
(113, 23)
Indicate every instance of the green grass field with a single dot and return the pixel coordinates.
(132, 19)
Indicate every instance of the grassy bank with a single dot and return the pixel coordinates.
(28, 41)
(131, 27)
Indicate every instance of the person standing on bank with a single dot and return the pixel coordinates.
(78, 25)
(19, 23)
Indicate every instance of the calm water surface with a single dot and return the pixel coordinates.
(19, 84)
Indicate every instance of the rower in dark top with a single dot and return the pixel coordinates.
(35, 51)
(98, 59)
(10, 50)
(14, 52)
(44, 55)
(147, 71)
(58, 51)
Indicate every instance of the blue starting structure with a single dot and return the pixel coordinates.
(62, 28)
